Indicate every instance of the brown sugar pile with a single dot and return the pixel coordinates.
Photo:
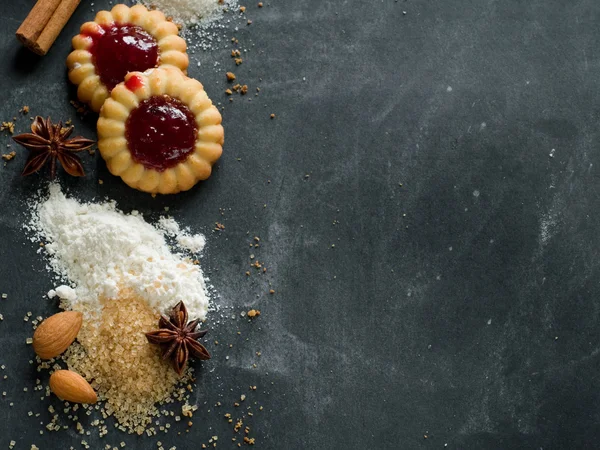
(126, 371)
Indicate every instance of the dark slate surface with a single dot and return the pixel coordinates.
(460, 301)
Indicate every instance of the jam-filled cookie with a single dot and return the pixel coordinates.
(159, 131)
(120, 41)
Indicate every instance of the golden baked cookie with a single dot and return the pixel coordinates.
(120, 41)
(159, 131)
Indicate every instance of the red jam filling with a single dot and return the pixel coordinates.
(161, 132)
(119, 49)
(134, 82)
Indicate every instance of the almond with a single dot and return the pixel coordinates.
(56, 333)
(72, 387)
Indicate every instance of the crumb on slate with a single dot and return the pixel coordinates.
(8, 126)
(9, 156)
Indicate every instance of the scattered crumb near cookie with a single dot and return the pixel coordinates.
(260, 4)
(228, 91)
(242, 8)
(235, 53)
(249, 22)
(244, 89)
(9, 156)
(219, 226)
(238, 61)
(79, 107)
(272, 291)
(8, 126)
(24, 110)
(272, 116)
(253, 313)
(230, 76)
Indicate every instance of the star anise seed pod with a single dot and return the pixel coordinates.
(178, 339)
(48, 142)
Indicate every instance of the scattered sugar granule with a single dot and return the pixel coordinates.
(98, 250)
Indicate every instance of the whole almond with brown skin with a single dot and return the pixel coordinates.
(56, 333)
(72, 387)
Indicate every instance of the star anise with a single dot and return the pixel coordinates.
(178, 338)
(48, 142)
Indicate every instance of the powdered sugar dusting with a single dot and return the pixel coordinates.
(192, 12)
(63, 292)
(98, 250)
(191, 242)
(194, 243)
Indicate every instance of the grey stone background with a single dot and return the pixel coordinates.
(451, 153)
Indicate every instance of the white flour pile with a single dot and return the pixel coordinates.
(207, 24)
(192, 12)
(193, 243)
(98, 250)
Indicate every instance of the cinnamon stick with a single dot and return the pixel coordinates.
(36, 20)
(44, 23)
